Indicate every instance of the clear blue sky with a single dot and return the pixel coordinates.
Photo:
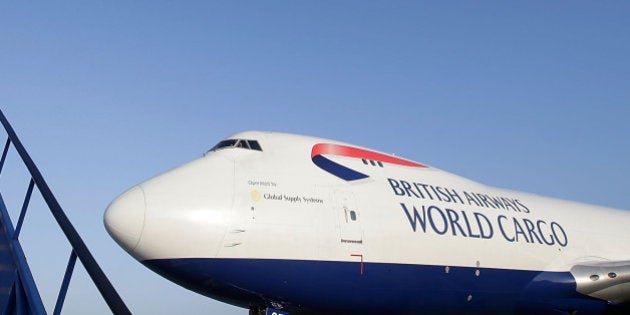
(532, 96)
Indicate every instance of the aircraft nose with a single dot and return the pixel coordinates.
(124, 218)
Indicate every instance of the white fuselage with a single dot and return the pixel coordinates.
(282, 203)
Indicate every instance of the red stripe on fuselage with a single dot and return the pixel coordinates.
(342, 150)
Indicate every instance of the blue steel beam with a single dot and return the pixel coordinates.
(27, 199)
(65, 283)
(4, 153)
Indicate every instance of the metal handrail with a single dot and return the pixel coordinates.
(111, 297)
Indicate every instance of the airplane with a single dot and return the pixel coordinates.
(288, 224)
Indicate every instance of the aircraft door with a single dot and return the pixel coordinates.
(349, 218)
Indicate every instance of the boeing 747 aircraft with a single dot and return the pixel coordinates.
(288, 224)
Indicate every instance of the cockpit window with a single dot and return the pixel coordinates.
(224, 144)
(242, 144)
(254, 145)
(238, 143)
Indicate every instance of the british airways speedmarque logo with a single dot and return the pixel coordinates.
(321, 149)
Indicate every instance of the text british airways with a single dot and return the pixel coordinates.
(474, 224)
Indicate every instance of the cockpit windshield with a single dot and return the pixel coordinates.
(238, 143)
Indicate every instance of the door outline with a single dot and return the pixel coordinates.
(348, 218)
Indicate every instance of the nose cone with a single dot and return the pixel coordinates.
(124, 218)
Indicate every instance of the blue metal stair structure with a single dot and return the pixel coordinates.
(18, 292)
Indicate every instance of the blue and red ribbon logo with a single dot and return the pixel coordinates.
(346, 173)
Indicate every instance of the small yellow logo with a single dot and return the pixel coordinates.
(255, 195)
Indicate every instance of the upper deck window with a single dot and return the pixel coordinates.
(238, 143)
